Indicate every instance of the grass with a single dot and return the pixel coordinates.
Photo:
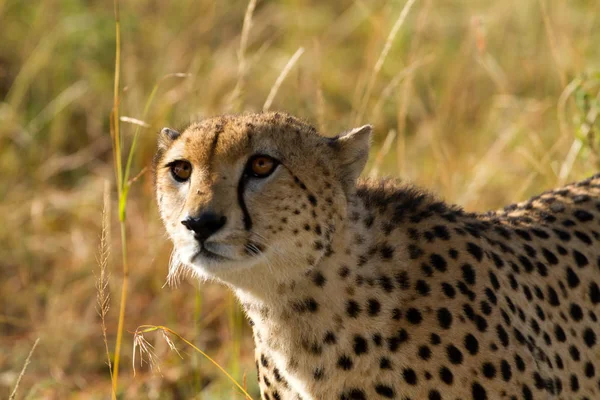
(485, 103)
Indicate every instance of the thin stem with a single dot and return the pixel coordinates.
(119, 171)
(27, 361)
(122, 305)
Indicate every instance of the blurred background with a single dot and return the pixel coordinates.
(483, 102)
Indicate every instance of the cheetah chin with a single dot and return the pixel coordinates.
(374, 289)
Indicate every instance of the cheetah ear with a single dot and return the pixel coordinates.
(352, 148)
(166, 137)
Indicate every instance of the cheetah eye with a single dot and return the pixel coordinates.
(181, 170)
(261, 166)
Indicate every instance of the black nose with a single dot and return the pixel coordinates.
(207, 224)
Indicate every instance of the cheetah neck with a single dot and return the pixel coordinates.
(294, 320)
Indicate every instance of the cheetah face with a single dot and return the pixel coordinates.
(234, 192)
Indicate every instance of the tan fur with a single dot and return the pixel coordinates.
(377, 290)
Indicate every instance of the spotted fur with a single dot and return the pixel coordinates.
(373, 289)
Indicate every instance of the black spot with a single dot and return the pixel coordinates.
(330, 338)
(471, 344)
(506, 370)
(475, 251)
(590, 371)
(345, 362)
(414, 316)
(448, 290)
(353, 394)
(485, 307)
(360, 345)
(385, 283)
(319, 279)
(377, 339)
(572, 278)
(454, 354)
(422, 287)
(438, 262)
(523, 234)
(453, 254)
(441, 232)
(497, 260)
(583, 215)
(562, 235)
(559, 333)
(580, 259)
(385, 391)
(526, 263)
(312, 200)
(491, 296)
(527, 395)
(386, 251)
(446, 376)
(553, 297)
(424, 352)
(308, 304)
(374, 307)
(343, 272)
(574, 383)
(352, 309)
(574, 353)
(468, 274)
(550, 257)
(385, 363)
(540, 233)
(478, 392)
(414, 252)
(576, 312)
(427, 270)
(410, 376)
(583, 237)
(264, 361)
(402, 280)
(395, 341)
(435, 339)
(502, 335)
(589, 337)
(444, 318)
(434, 395)
(519, 363)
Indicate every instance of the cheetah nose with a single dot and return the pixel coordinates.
(205, 225)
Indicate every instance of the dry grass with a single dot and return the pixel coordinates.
(485, 103)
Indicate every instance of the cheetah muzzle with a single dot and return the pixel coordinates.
(373, 289)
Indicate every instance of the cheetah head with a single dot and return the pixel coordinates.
(264, 189)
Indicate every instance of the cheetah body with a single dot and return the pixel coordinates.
(372, 289)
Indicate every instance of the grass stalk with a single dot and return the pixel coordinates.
(27, 361)
(140, 342)
(281, 78)
(117, 141)
(235, 99)
(102, 293)
(381, 60)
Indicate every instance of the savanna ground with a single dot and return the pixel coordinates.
(483, 102)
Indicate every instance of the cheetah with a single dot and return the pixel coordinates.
(374, 289)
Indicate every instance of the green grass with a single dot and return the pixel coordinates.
(490, 102)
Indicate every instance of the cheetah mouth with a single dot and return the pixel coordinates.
(207, 254)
